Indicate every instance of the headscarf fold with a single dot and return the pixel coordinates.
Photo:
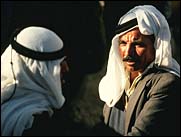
(38, 83)
(149, 21)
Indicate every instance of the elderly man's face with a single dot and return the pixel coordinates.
(136, 50)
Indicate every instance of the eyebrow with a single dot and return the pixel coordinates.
(135, 42)
(121, 42)
(138, 42)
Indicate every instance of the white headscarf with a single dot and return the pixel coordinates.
(150, 21)
(38, 82)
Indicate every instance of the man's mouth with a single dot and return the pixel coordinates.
(130, 63)
(129, 59)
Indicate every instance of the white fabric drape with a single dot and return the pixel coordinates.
(150, 21)
(38, 82)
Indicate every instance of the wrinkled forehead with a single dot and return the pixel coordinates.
(134, 34)
(128, 23)
(123, 30)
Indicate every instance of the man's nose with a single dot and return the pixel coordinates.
(129, 51)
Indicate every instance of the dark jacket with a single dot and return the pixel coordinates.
(154, 107)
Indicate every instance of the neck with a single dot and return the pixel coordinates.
(133, 75)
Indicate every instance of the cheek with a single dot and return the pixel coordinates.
(140, 51)
(151, 55)
(141, 56)
(121, 52)
(146, 56)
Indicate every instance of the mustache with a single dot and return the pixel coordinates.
(129, 58)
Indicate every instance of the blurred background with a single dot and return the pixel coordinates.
(86, 29)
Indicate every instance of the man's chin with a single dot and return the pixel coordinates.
(133, 69)
(130, 67)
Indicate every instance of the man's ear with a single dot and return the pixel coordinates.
(64, 67)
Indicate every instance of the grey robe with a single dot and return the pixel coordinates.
(154, 109)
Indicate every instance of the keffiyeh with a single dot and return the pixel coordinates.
(149, 21)
(38, 84)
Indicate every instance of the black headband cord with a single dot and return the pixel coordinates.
(42, 56)
(126, 26)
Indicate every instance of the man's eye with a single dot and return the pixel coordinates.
(139, 44)
(122, 43)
